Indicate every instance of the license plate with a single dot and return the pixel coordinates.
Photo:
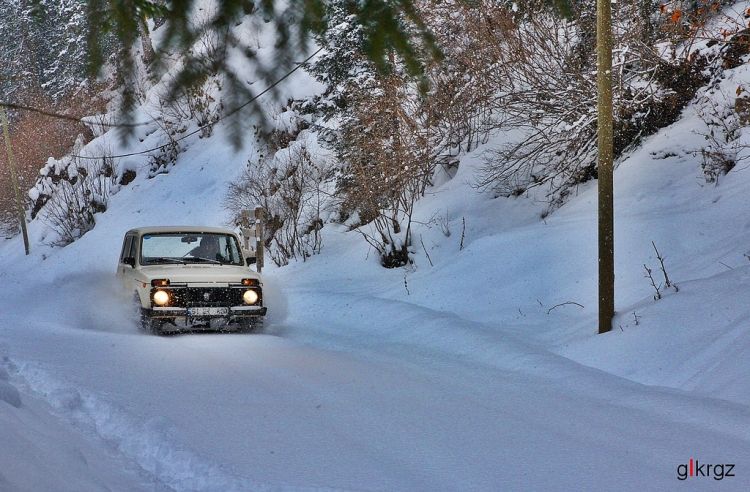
(208, 311)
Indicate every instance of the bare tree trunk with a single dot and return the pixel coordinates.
(148, 47)
(14, 179)
(606, 202)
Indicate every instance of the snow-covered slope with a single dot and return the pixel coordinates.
(475, 368)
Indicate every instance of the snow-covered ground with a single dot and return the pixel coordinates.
(475, 369)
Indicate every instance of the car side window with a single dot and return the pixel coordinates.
(126, 248)
(233, 250)
(133, 248)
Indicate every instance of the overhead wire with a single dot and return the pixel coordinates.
(59, 116)
(132, 125)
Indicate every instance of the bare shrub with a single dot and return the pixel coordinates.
(723, 148)
(163, 159)
(34, 138)
(649, 275)
(9, 225)
(458, 108)
(388, 163)
(196, 104)
(547, 94)
(290, 187)
(545, 81)
(76, 189)
(171, 126)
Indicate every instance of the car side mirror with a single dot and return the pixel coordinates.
(251, 260)
(129, 261)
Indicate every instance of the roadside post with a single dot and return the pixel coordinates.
(252, 227)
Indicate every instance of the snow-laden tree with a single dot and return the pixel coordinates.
(375, 119)
(44, 66)
(342, 64)
(545, 96)
(289, 24)
(14, 69)
(58, 34)
(43, 46)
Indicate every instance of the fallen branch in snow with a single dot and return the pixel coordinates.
(463, 233)
(653, 283)
(425, 250)
(663, 270)
(563, 304)
(667, 282)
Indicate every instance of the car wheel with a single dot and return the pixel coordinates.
(151, 325)
(250, 325)
(147, 324)
(139, 313)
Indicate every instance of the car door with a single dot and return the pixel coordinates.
(126, 243)
(125, 271)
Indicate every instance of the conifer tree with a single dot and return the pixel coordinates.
(114, 25)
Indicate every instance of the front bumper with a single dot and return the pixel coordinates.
(229, 314)
(205, 303)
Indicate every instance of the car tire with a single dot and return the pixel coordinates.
(250, 325)
(151, 325)
(138, 313)
(146, 323)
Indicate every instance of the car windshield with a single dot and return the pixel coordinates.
(190, 247)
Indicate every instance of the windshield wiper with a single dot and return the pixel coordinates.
(163, 260)
(198, 259)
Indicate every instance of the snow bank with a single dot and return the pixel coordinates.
(477, 367)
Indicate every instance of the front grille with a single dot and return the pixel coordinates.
(184, 297)
(212, 297)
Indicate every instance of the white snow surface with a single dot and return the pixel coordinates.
(475, 369)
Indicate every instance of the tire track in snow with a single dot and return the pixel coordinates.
(371, 326)
(151, 448)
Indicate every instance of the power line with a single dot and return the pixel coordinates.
(59, 116)
(201, 128)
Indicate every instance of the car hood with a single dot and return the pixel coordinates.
(196, 274)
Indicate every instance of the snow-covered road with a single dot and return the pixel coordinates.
(296, 408)
(476, 368)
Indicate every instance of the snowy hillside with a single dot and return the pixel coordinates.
(476, 368)
(460, 375)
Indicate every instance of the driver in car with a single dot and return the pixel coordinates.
(207, 249)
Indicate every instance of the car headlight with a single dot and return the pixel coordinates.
(250, 296)
(161, 297)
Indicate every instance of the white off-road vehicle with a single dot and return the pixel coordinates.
(191, 277)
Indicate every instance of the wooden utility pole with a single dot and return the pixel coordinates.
(252, 227)
(14, 180)
(605, 165)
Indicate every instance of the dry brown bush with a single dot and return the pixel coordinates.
(459, 104)
(389, 162)
(290, 187)
(70, 209)
(544, 84)
(35, 138)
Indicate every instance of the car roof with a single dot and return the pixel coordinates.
(177, 229)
